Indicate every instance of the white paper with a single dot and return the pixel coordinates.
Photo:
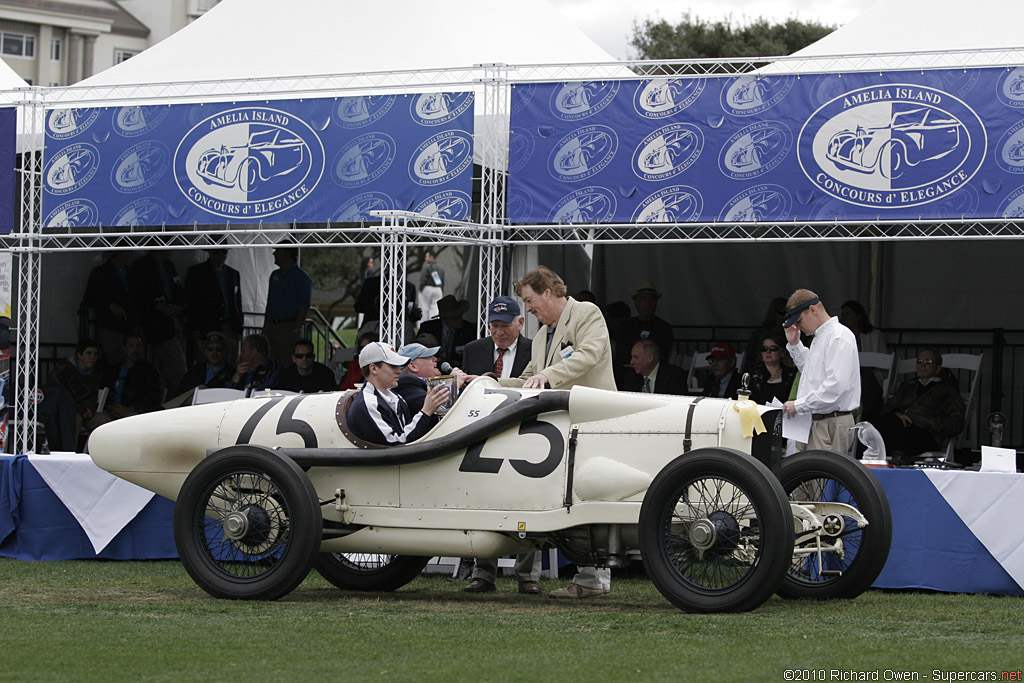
(998, 459)
(797, 428)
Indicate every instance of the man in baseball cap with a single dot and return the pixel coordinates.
(412, 385)
(724, 380)
(378, 414)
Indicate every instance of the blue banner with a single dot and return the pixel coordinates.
(895, 146)
(308, 161)
(8, 185)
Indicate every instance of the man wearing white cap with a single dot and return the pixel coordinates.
(829, 386)
(379, 415)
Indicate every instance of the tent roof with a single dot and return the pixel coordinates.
(9, 79)
(240, 39)
(926, 26)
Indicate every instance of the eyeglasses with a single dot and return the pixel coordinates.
(300, 356)
(772, 349)
(215, 349)
(926, 361)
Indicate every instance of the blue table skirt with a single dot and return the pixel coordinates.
(35, 524)
(932, 548)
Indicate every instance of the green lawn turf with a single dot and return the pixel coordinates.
(147, 620)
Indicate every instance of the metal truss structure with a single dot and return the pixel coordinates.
(491, 233)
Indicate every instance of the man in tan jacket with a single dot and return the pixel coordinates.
(571, 348)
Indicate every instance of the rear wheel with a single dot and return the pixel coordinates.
(716, 532)
(369, 572)
(247, 524)
(857, 553)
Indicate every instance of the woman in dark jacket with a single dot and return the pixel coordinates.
(773, 372)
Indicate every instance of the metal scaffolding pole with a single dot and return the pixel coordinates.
(27, 292)
(392, 278)
(496, 96)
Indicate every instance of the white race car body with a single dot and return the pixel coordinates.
(505, 471)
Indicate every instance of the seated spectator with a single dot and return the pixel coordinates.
(256, 369)
(450, 328)
(773, 317)
(644, 325)
(724, 380)
(135, 385)
(869, 337)
(305, 375)
(70, 397)
(379, 415)
(924, 412)
(653, 376)
(773, 372)
(214, 372)
(353, 374)
(412, 385)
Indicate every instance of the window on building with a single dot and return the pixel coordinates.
(124, 55)
(56, 49)
(18, 44)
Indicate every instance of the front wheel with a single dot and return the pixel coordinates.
(716, 532)
(844, 558)
(247, 524)
(368, 571)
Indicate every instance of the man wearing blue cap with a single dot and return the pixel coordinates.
(829, 386)
(506, 352)
(422, 365)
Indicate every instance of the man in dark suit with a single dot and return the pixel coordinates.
(724, 381)
(652, 376)
(160, 301)
(505, 324)
(213, 298)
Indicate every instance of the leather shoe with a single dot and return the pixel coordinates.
(479, 586)
(576, 591)
(529, 587)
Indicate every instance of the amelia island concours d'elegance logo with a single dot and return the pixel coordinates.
(668, 151)
(249, 162)
(62, 124)
(580, 99)
(71, 168)
(583, 153)
(436, 108)
(661, 97)
(360, 111)
(892, 146)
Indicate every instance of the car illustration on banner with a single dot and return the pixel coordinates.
(71, 168)
(912, 137)
(139, 167)
(449, 205)
(583, 153)
(578, 100)
(365, 159)
(749, 95)
(673, 150)
(67, 123)
(661, 97)
(73, 214)
(441, 157)
(271, 152)
(759, 203)
(359, 111)
(145, 211)
(357, 209)
(674, 204)
(434, 109)
(759, 145)
(587, 205)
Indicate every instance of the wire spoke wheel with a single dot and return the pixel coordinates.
(846, 557)
(369, 571)
(715, 532)
(247, 524)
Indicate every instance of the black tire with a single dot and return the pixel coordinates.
(369, 572)
(247, 524)
(739, 508)
(824, 476)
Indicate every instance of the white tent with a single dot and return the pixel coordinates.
(924, 33)
(240, 39)
(9, 80)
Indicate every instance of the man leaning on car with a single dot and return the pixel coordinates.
(571, 348)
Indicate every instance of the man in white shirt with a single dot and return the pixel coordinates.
(829, 373)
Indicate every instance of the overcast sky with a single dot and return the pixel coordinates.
(610, 22)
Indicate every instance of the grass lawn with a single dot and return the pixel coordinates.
(147, 620)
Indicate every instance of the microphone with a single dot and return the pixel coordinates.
(446, 368)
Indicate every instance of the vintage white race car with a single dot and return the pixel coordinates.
(269, 487)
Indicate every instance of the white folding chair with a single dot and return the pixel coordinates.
(885, 362)
(697, 363)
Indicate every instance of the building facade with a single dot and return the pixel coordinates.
(60, 42)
